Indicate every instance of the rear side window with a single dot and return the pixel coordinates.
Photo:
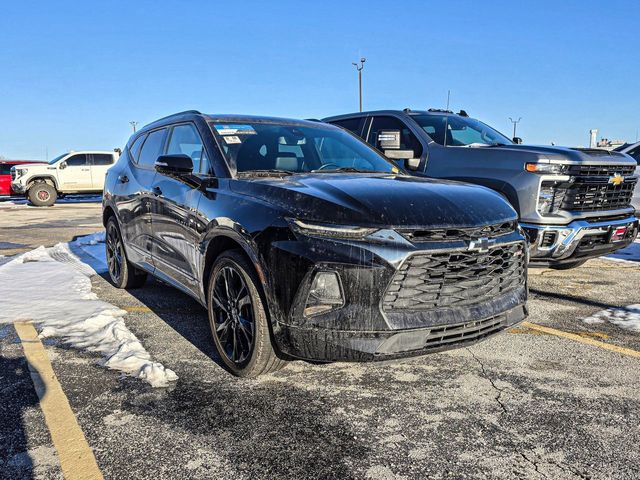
(5, 168)
(134, 150)
(76, 160)
(354, 125)
(102, 159)
(152, 148)
(186, 140)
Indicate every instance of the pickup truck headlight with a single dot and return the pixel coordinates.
(329, 230)
(548, 168)
(19, 171)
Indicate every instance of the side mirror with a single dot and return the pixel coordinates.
(178, 164)
(411, 163)
(517, 140)
(63, 165)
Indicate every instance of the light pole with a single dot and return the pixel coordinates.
(515, 122)
(359, 67)
(133, 124)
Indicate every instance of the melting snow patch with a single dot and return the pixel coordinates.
(52, 287)
(628, 254)
(625, 317)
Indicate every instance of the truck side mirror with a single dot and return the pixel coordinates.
(411, 163)
(63, 165)
(517, 140)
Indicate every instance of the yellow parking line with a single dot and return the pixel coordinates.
(137, 309)
(76, 457)
(582, 339)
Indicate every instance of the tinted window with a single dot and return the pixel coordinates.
(186, 140)
(635, 153)
(5, 168)
(351, 124)
(76, 160)
(408, 141)
(102, 159)
(294, 148)
(134, 151)
(460, 131)
(152, 148)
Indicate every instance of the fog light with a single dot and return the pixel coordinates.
(325, 294)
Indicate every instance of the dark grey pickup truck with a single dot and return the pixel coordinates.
(574, 204)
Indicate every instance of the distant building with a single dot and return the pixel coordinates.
(607, 144)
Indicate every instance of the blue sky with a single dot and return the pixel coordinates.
(73, 74)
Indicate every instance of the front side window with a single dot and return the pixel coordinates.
(186, 140)
(152, 148)
(460, 131)
(78, 160)
(408, 141)
(102, 159)
(252, 147)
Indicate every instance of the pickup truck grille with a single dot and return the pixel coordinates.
(588, 197)
(458, 278)
(601, 170)
(450, 234)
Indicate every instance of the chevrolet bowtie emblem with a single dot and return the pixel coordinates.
(481, 244)
(617, 179)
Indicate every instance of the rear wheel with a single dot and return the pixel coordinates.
(238, 318)
(568, 266)
(42, 194)
(123, 274)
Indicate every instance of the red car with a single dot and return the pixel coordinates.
(5, 174)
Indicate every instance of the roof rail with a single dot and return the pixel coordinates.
(196, 112)
(439, 110)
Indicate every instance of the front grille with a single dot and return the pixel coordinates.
(450, 234)
(586, 197)
(601, 170)
(457, 278)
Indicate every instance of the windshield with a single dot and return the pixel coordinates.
(51, 162)
(255, 147)
(461, 131)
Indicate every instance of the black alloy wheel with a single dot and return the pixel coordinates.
(123, 274)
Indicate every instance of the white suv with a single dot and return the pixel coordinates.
(73, 172)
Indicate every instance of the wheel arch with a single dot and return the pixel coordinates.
(50, 179)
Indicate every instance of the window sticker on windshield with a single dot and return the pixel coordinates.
(235, 129)
(232, 139)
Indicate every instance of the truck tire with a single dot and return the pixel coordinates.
(568, 266)
(123, 273)
(42, 194)
(238, 318)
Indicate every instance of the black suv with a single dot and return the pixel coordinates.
(304, 242)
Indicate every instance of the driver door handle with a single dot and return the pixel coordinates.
(157, 191)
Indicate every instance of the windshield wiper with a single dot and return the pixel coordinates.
(267, 172)
(344, 169)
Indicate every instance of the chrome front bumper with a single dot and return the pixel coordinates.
(567, 238)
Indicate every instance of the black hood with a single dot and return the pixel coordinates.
(379, 200)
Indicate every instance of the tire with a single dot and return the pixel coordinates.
(123, 273)
(234, 299)
(568, 266)
(42, 194)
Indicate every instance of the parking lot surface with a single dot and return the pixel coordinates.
(528, 403)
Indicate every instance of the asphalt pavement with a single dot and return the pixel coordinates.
(523, 404)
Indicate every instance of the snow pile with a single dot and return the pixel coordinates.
(625, 317)
(628, 254)
(52, 287)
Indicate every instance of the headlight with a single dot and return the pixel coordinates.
(329, 230)
(19, 171)
(549, 168)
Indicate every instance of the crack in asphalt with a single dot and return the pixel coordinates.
(493, 385)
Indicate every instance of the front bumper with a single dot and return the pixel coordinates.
(373, 324)
(579, 240)
(18, 188)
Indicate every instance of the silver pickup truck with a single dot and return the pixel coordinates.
(574, 204)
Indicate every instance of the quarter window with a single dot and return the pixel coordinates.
(77, 160)
(186, 140)
(152, 148)
(351, 124)
(134, 150)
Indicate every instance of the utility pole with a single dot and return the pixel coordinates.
(515, 122)
(133, 124)
(359, 67)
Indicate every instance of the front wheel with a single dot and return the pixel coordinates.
(123, 274)
(42, 194)
(568, 266)
(238, 318)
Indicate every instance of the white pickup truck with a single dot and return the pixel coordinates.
(72, 172)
